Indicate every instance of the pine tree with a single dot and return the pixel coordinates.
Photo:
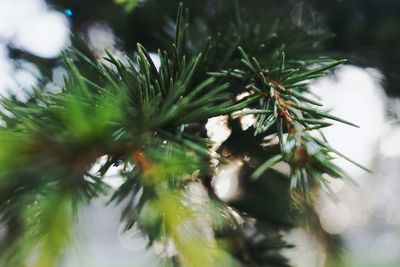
(150, 121)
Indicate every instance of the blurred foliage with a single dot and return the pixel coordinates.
(366, 31)
(129, 4)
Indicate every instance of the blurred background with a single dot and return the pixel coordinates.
(33, 34)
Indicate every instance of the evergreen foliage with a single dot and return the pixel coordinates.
(141, 117)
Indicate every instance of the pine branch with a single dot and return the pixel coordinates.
(139, 116)
(281, 95)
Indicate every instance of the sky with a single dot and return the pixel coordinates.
(32, 26)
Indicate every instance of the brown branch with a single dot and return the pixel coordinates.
(141, 160)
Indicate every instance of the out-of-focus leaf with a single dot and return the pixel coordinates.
(128, 4)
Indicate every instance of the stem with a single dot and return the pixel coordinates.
(141, 160)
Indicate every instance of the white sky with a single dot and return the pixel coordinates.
(32, 26)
